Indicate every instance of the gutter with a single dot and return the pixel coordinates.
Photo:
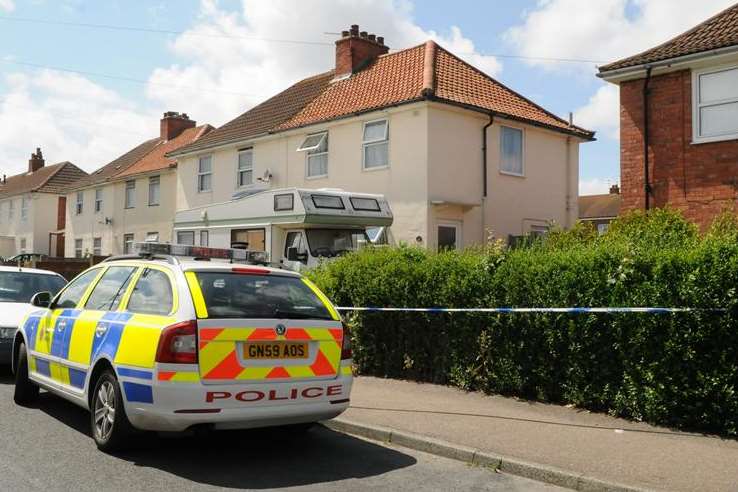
(646, 180)
(484, 154)
(637, 69)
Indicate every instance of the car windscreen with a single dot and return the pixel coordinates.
(21, 286)
(239, 295)
(334, 242)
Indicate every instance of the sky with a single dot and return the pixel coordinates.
(86, 80)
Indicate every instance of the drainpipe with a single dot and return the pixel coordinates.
(646, 179)
(484, 174)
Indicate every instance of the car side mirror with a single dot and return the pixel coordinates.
(41, 299)
(293, 255)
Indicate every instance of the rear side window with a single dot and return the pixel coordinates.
(152, 294)
(236, 295)
(110, 289)
(70, 297)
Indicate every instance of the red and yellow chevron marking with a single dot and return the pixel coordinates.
(219, 358)
(178, 377)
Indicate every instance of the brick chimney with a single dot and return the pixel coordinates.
(36, 161)
(614, 189)
(355, 50)
(174, 123)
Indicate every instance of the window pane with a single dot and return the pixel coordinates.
(318, 165)
(719, 86)
(721, 119)
(511, 150)
(374, 131)
(446, 238)
(109, 290)
(76, 289)
(245, 178)
(245, 160)
(128, 243)
(152, 294)
(205, 164)
(154, 190)
(204, 238)
(186, 237)
(204, 182)
(375, 155)
(313, 142)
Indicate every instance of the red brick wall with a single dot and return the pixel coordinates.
(699, 179)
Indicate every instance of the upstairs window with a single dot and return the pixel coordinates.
(715, 105)
(376, 144)
(205, 174)
(316, 147)
(24, 209)
(511, 151)
(98, 200)
(79, 205)
(154, 191)
(245, 167)
(130, 194)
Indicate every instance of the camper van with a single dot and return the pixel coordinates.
(297, 228)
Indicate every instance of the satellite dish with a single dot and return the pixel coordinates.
(266, 176)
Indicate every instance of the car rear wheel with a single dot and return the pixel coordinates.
(111, 428)
(26, 391)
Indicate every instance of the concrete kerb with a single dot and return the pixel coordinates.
(541, 473)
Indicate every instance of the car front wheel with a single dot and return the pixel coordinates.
(26, 391)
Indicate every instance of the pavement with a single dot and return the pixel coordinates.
(562, 445)
(47, 448)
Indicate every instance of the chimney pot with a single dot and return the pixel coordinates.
(357, 50)
(354, 29)
(344, 34)
(380, 40)
(36, 161)
(614, 189)
(174, 123)
(372, 37)
(363, 34)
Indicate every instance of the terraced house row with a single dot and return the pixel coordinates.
(458, 155)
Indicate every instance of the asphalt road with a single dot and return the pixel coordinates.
(48, 448)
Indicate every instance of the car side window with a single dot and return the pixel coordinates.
(152, 294)
(72, 294)
(110, 289)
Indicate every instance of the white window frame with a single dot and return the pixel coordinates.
(249, 150)
(79, 248)
(79, 204)
(311, 152)
(200, 174)
(696, 106)
(451, 224)
(204, 234)
(132, 203)
(522, 152)
(367, 143)
(97, 250)
(24, 209)
(155, 180)
(132, 241)
(152, 237)
(98, 200)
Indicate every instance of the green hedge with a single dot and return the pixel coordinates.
(678, 369)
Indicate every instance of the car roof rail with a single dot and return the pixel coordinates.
(172, 260)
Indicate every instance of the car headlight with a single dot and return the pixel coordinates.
(6, 332)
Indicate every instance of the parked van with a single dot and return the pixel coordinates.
(296, 228)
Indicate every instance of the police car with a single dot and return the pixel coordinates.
(160, 343)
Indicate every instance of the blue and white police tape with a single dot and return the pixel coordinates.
(506, 310)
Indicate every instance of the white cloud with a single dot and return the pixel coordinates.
(70, 117)
(7, 5)
(596, 186)
(257, 69)
(602, 112)
(604, 30)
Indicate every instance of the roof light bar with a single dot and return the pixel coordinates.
(202, 252)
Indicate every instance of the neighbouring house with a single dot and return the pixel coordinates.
(679, 121)
(32, 207)
(132, 198)
(457, 153)
(600, 210)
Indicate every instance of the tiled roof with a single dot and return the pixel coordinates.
(49, 179)
(156, 159)
(599, 206)
(717, 32)
(426, 71)
(145, 157)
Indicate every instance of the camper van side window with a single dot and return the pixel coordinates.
(365, 204)
(284, 202)
(294, 240)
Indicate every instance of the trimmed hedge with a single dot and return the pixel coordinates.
(679, 370)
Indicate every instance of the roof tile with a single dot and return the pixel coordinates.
(599, 206)
(55, 178)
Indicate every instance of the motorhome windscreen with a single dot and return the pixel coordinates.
(328, 201)
(328, 243)
(365, 204)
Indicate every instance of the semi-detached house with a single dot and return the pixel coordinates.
(132, 198)
(32, 207)
(457, 153)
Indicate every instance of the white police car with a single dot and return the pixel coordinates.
(155, 343)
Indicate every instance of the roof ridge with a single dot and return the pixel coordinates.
(706, 22)
(429, 68)
(489, 77)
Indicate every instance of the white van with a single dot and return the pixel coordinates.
(295, 227)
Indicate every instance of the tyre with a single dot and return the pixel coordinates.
(109, 423)
(26, 391)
